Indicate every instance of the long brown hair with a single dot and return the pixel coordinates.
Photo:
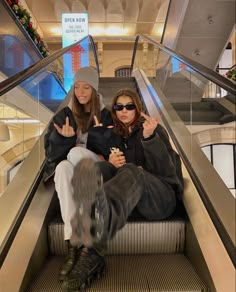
(120, 127)
(85, 120)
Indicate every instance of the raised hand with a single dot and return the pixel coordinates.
(66, 130)
(97, 124)
(117, 158)
(149, 125)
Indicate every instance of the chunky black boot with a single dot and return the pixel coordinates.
(69, 262)
(90, 222)
(89, 266)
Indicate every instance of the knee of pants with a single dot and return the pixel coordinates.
(107, 169)
(131, 168)
(78, 153)
(64, 168)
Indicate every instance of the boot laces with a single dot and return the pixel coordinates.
(87, 261)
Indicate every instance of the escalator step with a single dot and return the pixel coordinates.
(131, 273)
(135, 238)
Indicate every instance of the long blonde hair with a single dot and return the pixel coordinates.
(120, 127)
(85, 120)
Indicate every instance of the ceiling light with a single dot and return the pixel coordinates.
(20, 121)
(113, 30)
(56, 30)
(210, 20)
(96, 30)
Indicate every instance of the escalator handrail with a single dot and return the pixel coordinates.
(209, 74)
(223, 221)
(94, 53)
(18, 78)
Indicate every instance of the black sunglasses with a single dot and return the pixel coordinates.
(120, 107)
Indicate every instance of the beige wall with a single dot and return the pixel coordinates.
(233, 42)
(113, 56)
(214, 134)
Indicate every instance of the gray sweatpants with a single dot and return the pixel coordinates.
(131, 186)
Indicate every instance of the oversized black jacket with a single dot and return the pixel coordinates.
(154, 154)
(57, 146)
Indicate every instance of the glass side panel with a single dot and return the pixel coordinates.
(19, 131)
(191, 95)
(200, 104)
(17, 50)
(26, 110)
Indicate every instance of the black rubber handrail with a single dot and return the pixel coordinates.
(226, 68)
(165, 23)
(197, 67)
(18, 78)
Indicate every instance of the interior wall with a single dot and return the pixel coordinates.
(233, 42)
(213, 134)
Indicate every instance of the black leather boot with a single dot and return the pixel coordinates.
(89, 266)
(69, 262)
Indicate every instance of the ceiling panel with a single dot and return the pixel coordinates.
(113, 17)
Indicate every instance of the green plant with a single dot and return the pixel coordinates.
(231, 74)
(25, 19)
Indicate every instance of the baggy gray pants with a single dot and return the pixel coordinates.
(131, 186)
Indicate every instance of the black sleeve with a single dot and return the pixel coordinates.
(57, 146)
(99, 140)
(157, 158)
(162, 160)
(106, 118)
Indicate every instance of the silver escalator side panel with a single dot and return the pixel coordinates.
(217, 259)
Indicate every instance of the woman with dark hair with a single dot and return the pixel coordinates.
(140, 175)
(65, 145)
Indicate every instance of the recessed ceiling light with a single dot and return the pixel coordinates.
(20, 121)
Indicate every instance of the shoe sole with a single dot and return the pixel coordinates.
(88, 191)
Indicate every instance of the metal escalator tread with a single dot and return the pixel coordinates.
(142, 273)
(166, 236)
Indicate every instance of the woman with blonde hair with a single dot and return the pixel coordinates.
(65, 145)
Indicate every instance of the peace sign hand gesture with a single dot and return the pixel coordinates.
(66, 130)
(149, 125)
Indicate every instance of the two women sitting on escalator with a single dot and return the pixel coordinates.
(141, 173)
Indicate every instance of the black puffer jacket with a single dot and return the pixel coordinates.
(57, 146)
(154, 154)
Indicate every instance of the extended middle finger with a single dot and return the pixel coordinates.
(66, 130)
(147, 118)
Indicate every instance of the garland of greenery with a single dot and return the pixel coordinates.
(231, 74)
(24, 17)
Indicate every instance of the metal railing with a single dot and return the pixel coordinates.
(18, 78)
(195, 66)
